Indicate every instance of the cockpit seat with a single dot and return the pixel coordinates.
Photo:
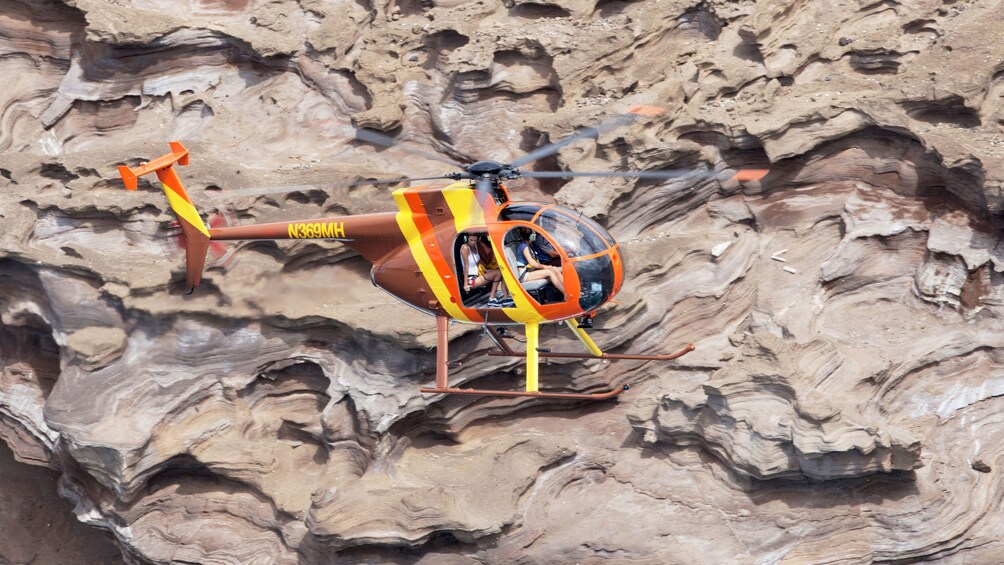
(530, 286)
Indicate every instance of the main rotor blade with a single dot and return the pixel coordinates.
(370, 136)
(742, 175)
(325, 187)
(589, 132)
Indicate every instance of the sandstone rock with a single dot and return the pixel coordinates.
(846, 407)
(436, 490)
(751, 416)
(97, 347)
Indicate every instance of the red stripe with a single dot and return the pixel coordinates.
(171, 180)
(427, 230)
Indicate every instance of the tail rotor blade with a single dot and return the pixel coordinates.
(589, 132)
(221, 255)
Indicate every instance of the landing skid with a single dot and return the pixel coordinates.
(532, 355)
(607, 356)
(535, 394)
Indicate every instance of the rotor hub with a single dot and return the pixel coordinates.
(490, 168)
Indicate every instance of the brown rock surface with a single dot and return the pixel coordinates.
(38, 526)
(845, 394)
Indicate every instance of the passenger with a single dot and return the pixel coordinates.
(529, 266)
(475, 272)
(499, 298)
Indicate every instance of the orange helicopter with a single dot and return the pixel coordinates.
(418, 253)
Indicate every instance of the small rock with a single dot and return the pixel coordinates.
(980, 466)
(97, 347)
(717, 250)
(844, 41)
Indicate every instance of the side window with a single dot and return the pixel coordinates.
(538, 287)
(479, 274)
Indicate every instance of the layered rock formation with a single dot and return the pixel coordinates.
(847, 310)
(761, 415)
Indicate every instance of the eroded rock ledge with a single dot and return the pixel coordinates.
(762, 417)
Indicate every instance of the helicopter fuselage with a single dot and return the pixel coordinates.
(415, 252)
(554, 263)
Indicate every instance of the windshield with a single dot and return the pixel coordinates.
(573, 235)
(596, 279)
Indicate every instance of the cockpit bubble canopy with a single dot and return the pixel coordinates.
(580, 240)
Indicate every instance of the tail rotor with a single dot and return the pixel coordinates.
(220, 255)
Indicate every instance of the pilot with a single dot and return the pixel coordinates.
(546, 253)
(529, 265)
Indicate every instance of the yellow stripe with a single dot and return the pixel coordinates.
(464, 206)
(184, 209)
(524, 311)
(421, 256)
(580, 333)
(532, 356)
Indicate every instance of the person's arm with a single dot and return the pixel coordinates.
(464, 253)
(487, 256)
(547, 249)
(530, 260)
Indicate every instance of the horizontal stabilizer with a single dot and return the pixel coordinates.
(178, 149)
(178, 154)
(534, 394)
(128, 177)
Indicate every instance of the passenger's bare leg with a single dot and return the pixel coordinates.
(557, 281)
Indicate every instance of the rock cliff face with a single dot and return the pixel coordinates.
(848, 310)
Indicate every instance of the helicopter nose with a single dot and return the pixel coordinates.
(618, 265)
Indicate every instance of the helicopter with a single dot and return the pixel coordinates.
(416, 251)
